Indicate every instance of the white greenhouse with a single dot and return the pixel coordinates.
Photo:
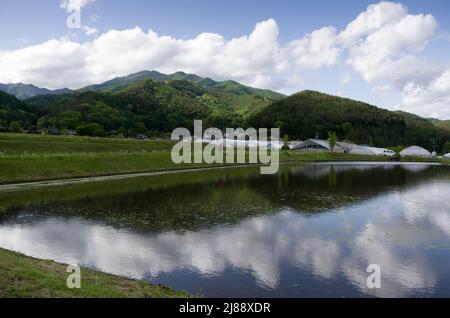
(415, 151)
(447, 156)
(372, 151)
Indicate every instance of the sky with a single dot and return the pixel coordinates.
(395, 55)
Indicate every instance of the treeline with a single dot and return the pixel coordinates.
(307, 114)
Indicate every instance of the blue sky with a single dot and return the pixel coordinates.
(347, 69)
(38, 21)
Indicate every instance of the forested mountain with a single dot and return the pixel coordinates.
(444, 124)
(308, 113)
(228, 103)
(14, 113)
(145, 107)
(207, 83)
(24, 91)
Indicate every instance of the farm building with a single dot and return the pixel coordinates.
(279, 144)
(372, 151)
(447, 156)
(317, 145)
(347, 146)
(415, 151)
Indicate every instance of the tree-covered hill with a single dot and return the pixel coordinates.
(444, 124)
(207, 83)
(228, 105)
(233, 102)
(145, 107)
(14, 113)
(308, 113)
(24, 91)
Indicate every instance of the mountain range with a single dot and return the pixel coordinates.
(154, 103)
(25, 91)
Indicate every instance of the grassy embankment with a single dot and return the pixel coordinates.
(39, 157)
(22, 276)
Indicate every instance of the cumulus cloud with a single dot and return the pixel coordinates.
(384, 44)
(383, 41)
(381, 90)
(432, 99)
(71, 5)
(315, 50)
(256, 59)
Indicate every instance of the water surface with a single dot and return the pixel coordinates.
(310, 231)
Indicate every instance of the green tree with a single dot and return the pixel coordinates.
(69, 119)
(347, 129)
(447, 147)
(285, 143)
(92, 129)
(332, 139)
(15, 127)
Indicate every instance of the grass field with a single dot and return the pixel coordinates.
(22, 276)
(26, 158)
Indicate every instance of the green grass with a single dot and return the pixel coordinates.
(26, 277)
(18, 144)
(26, 158)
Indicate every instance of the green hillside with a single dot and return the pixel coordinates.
(13, 112)
(231, 87)
(219, 106)
(444, 124)
(308, 113)
(145, 107)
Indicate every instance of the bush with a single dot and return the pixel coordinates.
(15, 127)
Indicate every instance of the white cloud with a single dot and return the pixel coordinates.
(375, 17)
(256, 59)
(346, 78)
(431, 100)
(385, 44)
(315, 50)
(71, 5)
(90, 31)
(382, 90)
(384, 40)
